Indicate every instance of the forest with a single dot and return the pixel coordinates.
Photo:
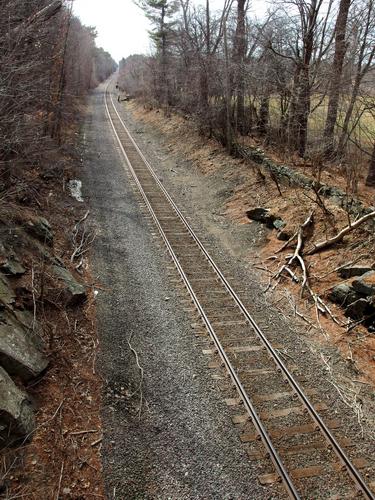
(301, 79)
(48, 63)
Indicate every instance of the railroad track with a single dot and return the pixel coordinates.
(307, 458)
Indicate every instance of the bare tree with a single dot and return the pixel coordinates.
(336, 74)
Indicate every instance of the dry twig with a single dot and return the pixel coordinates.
(139, 388)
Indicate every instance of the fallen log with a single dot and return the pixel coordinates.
(317, 247)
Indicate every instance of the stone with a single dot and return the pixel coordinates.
(20, 354)
(279, 224)
(16, 412)
(26, 318)
(351, 271)
(343, 295)
(9, 263)
(73, 292)
(265, 216)
(358, 309)
(365, 285)
(7, 295)
(40, 228)
(13, 267)
(283, 235)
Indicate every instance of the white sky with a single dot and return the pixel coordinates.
(122, 26)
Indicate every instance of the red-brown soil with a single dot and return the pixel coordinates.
(256, 188)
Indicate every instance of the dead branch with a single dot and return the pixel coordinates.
(297, 255)
(41, 16)
(317, 247)
(141, 370)
(292, 238)
(60, 480)
(82, 239)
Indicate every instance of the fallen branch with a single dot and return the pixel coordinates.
(82, 239)
(292, 238)
(297, 255)
(335, 239)
(60, 480)
(77, 433)
(141, 370)
(343, 266)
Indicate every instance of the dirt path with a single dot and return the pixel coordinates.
(182, 444)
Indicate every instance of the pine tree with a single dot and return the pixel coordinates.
(161, 13)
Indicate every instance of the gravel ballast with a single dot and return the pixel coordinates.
(182, 444)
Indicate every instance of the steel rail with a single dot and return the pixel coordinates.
(240, 389)
(344, 459)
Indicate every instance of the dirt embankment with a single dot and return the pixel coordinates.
(252, 186)
(52, 425)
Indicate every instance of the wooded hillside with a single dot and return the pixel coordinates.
(48, 62)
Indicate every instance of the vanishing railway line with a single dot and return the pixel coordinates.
(307, 458)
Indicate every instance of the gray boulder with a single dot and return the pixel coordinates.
(365, 285)
(41, 229)
(351, 271)
(20, 354)
(265, 216)
(9, 263)
(16, 413)
(343, 295)
(13, 267)
(284, 235)
(72, 292)
(7, 296)
(279, 224)
(358, 309)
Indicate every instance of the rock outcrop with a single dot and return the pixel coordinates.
(357, 297)
(20, 351)
(16, 412)
(24, 246)
(71, 292)
(290, 176)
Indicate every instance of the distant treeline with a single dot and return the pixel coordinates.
(301, 78)
(48, 62)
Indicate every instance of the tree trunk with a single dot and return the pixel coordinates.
(292, 115)
(370, 181)
(228, 96)
(303, 110)
(345, 127)
(239, 58)
(264, 115)
(334, 90)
